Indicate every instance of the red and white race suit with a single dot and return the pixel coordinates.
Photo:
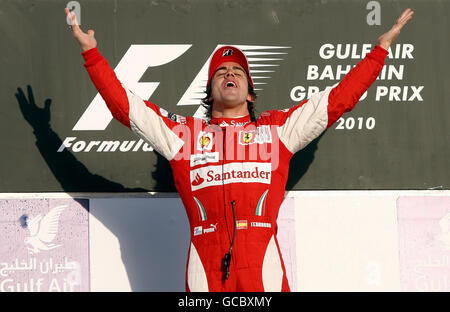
(231, 172)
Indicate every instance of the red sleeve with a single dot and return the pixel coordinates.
(347, 93)
(150, 122)
(107, 84)
(304, 122)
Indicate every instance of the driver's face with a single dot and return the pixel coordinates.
(229, 85)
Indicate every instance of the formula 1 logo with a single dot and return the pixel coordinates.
(262, 61)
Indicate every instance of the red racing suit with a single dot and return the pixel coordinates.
(231, 172)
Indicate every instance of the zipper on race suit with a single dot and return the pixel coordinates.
(226, 261)
(227, 257)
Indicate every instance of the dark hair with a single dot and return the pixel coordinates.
(207, 103)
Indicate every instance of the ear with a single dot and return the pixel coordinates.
(250, 98)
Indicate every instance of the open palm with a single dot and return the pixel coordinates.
(386, 39)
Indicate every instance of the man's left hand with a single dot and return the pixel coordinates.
(386, 39)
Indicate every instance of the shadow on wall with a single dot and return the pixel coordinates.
(301, 161)
(152, 264)
(148, 259)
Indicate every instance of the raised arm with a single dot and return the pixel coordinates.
(148, 121)
(306, 121)
(347, 93)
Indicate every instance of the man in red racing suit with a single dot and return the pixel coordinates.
(231, 172)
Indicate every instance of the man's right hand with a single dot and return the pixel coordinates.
(86, 40)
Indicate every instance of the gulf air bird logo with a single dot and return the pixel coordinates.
(43, 231)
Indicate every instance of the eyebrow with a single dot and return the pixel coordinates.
(234, 67)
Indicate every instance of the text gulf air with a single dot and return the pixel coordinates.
(236, 172)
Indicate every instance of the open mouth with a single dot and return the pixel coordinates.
(230, 84)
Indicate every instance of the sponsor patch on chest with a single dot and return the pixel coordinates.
(237, 172)
(260, 135)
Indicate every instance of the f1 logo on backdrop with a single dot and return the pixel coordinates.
(139, 57)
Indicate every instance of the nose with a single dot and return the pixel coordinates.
(229, 73)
